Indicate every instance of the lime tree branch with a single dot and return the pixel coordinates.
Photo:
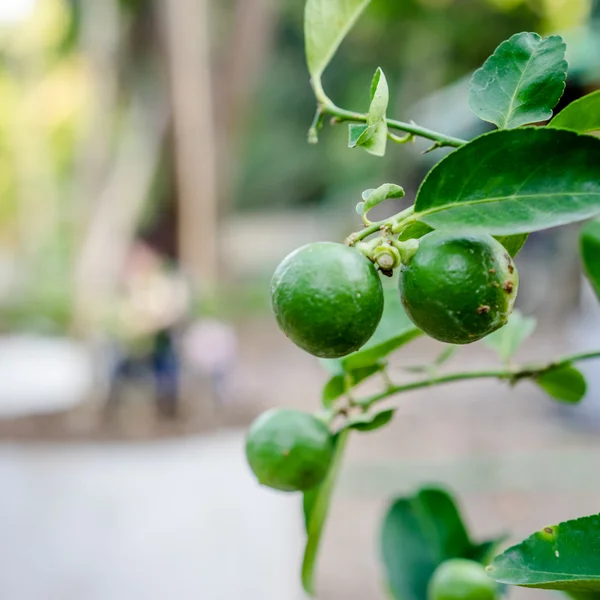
(512, 375)
(339, 115)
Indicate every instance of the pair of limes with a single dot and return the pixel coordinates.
(328, 298)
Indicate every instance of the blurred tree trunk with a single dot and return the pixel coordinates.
(118, 206)
(101, 47)
(186, 36)
(250, 41)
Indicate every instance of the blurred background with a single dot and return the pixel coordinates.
(153, 171)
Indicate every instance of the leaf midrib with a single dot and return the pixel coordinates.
(518, 86)
(552, 573)
(460, 203)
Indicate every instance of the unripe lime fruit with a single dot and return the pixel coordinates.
(458, 288)
(461, 579)
(289, 450)
(327, 298)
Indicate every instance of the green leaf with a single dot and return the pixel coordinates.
(559, 557)
(589, 243)
(394, 330)
(582, 116)
(316, 507)
(380, 97)
(355, 132)
(509, 182)
(373, 136)
(484, 552)
(370, 421)
(565, 384)
(507, 340)
(326, 24)
(418, 533)
(336, 386)
(373, 197)
(332, 365)
(521, 82)
(372, 354)
(414, 231)
(445, 355)
(513, 243)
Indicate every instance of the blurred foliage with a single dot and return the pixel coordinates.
(421, 46)
(46, 91)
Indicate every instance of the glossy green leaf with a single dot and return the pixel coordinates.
(372, 354)
(417, 534)
(513, 243)
(582, 116)
(507, 340)
(521, 82)
(373, 197)
(589, 243)
(316, 508)
(414, 231)
(336, 386)
(558, 557)
(565, 384)
(517, 181)
(326, 24)
(370, 421)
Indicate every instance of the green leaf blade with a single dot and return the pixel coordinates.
(316, 508)
(589, 244)
(560, 557)
(326, 24)
(373, 354)
(521, 82)
(371, 421)
(507, 340)
(513, 243)
(565, 384)
(338, 384)
(518, 181)
(581, 116)
(417, 534)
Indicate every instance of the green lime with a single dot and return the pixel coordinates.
(327, 298)
(289, 450)
(461, 579)
(459, 288)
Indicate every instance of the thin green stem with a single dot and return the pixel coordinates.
(328, 107)
(379, 226)
(342, 115)
(429, 382)
(512, 375)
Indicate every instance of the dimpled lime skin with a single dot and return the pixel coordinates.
(289, 450)
(327, 298)
(461, 579)
(459, 288)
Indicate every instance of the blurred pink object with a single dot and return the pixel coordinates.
(210, 347)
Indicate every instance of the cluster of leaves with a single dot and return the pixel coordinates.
(509, 183)
(418, 534)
